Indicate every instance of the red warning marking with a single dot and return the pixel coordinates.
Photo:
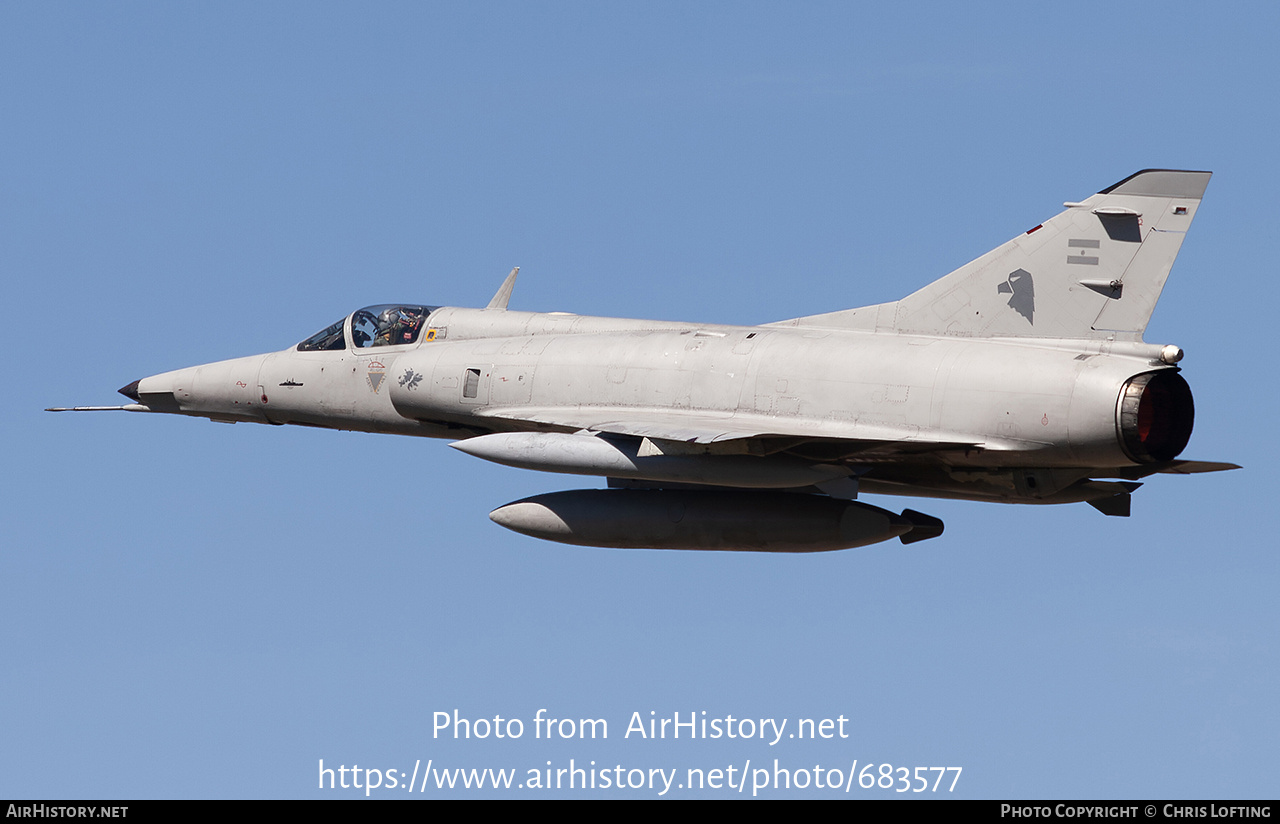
(1043, 421)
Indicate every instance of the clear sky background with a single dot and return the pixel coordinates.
(193, 609)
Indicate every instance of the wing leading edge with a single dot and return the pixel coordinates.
(736, 430)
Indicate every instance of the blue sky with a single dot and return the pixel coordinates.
(202, 610)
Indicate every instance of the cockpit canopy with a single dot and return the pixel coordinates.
(386, 324)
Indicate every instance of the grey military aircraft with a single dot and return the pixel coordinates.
(1021, 377)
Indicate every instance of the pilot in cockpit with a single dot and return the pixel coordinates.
(380, 325)
(397, 326)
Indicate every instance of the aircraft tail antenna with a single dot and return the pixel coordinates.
(503, 295)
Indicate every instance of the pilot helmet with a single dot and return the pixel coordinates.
(389, 318)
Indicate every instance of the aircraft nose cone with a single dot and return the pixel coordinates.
(131, 391)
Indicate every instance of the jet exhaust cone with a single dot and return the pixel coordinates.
(1155, 417)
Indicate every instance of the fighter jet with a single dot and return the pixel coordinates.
(1021, 377)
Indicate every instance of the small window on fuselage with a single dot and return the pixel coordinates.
(471, 383)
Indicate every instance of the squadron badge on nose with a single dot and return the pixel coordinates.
(376, 373)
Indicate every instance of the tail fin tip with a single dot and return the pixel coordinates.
(1162, 183)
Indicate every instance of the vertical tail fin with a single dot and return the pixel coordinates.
(1095, 270)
